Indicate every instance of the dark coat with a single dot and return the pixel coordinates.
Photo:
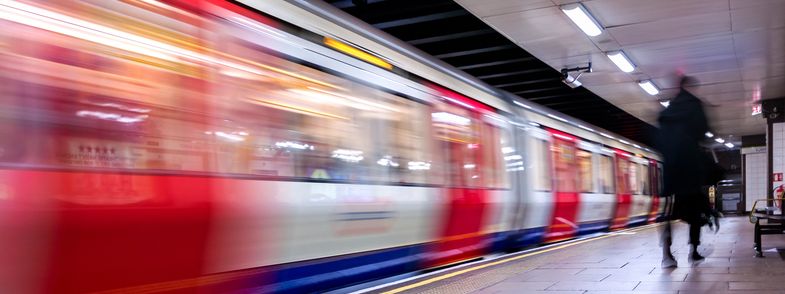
(682, 126)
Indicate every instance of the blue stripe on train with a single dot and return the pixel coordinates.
(529, 237)
(318, 275)
(638, 221)
(593, 227)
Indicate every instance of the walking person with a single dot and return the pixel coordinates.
(682, 126)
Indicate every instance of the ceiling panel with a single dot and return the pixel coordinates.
(758, 16)
(484, 8)
(672, 28)
(611, 13)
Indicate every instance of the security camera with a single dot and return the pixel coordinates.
(572, 80)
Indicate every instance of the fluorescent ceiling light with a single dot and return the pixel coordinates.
(709, 135)
(729, 145)
(621, 61)
(578, 14)
(719, 140)
(649, 87)
(665, 103)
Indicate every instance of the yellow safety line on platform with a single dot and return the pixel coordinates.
(482, 266)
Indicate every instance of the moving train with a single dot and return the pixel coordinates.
(253, 146)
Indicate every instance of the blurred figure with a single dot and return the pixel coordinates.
(682, 126)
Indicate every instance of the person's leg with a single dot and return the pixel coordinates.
(667, 239)
(695, 238)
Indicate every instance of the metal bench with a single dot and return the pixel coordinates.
(775, 221)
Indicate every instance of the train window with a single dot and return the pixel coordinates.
(564, 166)
(493, 138)
(606, 174)
(541, 165)
(643, 178)
(585, 171)
(622, 176)
(252, 113)
(458, 131)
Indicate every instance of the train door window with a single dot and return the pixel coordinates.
(585, 171)
(564, 166)
(622, 175)
(493, 140)
(643, 178)
(541, 164)
(607, 174)
(632, 177)
(457, 129)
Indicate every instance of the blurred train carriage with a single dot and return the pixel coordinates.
(211, 146)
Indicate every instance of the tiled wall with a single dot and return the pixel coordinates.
(754, 178)
(778, 150)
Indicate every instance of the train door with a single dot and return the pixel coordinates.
(565, 189)
(654, 178)
(639, 189)
(623, 194)
(465, 205)
(595, 207)
(538, 202)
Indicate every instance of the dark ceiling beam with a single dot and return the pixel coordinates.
(474, 51)
(419, 19)
(569, 94)
(352, 3)
(527, 82)
(538, 90)
(512, 73)
(506, 61)
(448, 37)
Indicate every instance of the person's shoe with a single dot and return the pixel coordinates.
(695, 256)
(669, 262)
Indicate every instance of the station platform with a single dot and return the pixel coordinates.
(621, 262)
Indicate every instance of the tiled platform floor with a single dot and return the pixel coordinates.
(630, 263)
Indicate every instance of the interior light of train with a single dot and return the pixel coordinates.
(513, 157)
(120, 106)
(534, 124)
(512, 164)
(469, 166)
(729, 145)
(515, 169)
(493, 117)
(649, 87)
(356, 53)
(665, 103)
(581, 17)
(709, 135)
(636, 146)
(418, 165)
(557, 117)
(720, 140)
(607, 136)
(449, 118)
(621, 61)
(607, 150)
(473, 146)
(294, 145)
(59, 23)
(353, 99)
(506, 150)
(230, 137)
(624, 142)
(111, 116)
(348, 155)
(387, 161)
(241, 133)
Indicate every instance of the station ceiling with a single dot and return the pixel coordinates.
(448, 31)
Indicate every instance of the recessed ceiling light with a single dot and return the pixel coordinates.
(581, 17)
(621, 61)
(719, 140)
(649, 87)
(665, 103)
(709, 135)
(729, 145)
